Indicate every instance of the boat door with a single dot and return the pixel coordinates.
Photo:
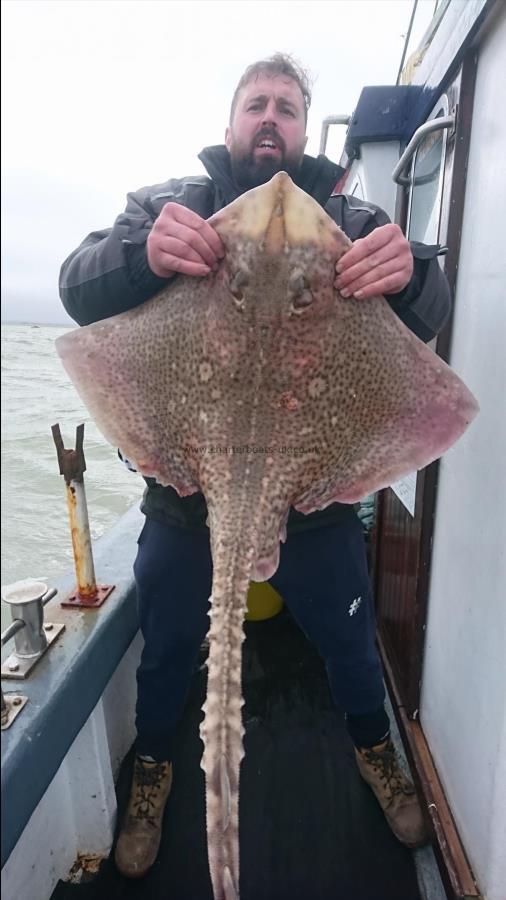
(431, 175)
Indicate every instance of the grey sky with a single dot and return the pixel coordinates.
(100, 97)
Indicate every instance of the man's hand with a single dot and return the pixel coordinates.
(381, 263)
(181, 241)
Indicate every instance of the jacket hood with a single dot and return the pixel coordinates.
(317, 176)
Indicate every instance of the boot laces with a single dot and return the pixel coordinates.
(148, 780)
(384, 762)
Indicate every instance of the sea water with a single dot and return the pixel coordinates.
(36, 394)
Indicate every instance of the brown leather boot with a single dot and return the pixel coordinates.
(141, 832)
(395, 793)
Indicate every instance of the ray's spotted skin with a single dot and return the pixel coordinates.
(264, 388)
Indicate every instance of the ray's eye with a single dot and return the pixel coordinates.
(236, 286)
(299, 292)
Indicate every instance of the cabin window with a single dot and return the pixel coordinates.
(426, 184)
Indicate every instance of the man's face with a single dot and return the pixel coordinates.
(267, 133)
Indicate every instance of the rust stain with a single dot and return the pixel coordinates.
(84, 867)
(88, 591)
(87, 587)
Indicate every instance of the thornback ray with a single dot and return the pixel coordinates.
(264, 388)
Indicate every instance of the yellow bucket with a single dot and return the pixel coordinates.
(263, 602)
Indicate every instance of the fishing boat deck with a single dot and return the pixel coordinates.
(311, 829)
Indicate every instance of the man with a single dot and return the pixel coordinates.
(162, 233)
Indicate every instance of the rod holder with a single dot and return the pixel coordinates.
(73, 466)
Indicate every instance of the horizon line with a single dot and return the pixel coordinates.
(27, 322)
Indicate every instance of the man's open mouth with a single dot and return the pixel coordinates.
(267, 149)
(266, 144)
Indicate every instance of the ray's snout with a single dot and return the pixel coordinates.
(279, 216)
(295, 219)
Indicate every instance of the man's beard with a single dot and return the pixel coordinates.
(249, 172)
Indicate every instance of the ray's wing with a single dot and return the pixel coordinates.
(387, 406)
(134, 373)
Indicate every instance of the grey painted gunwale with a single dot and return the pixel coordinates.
(68, 682)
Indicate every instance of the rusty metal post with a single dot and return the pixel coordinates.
(72, 467)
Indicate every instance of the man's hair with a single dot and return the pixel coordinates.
(278, 64)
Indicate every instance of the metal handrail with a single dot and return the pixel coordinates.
(439, 124)
(342, 119)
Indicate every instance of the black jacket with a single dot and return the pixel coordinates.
(109, 274)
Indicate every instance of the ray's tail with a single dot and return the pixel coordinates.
(222, 730)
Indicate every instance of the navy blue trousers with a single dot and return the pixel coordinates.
(323, 579)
